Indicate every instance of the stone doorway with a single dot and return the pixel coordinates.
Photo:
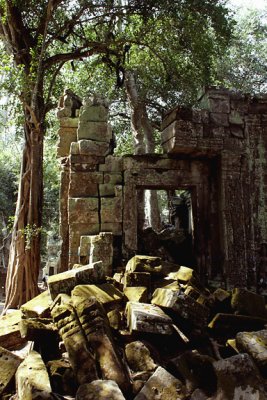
(200, 178)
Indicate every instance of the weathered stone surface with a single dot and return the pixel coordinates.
(238, 378)
(162, 386)
(184, 274)
(185, 306)
(111, 210)
(219, 119)
(38, 307)
(83, 210)
(105, 293)
(132, 279)
(95, 325)
(144, 264)
(9, 363)
(114, 227)
(66, 281)
(139, 357)
(81, 359)
(232, 324)
(36, 328)
(10, 337)
(142, 317)
(62, 377)
(94, 148)
(97, 131)
(66, 137)
(255, 344)
(95, 248)
(32, 376)
(66, 122)
(100, 390)
(85, 184)
(137, 294)
(248, 303)
(112, 164)
(83, 162)
(93, 113)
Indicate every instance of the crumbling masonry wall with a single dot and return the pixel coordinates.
(217, 151)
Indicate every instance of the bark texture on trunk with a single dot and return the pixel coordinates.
(24, 256)
(144, 143)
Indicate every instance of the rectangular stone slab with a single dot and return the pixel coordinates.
(185, 306)
(162, 383)
(66, 281)
(142, 317)
(32, 376)
(38, 307)
(10, 337)
(105, 293)
(9, 363)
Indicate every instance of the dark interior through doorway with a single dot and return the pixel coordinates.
(173, 240)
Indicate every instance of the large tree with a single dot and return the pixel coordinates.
(42, 36)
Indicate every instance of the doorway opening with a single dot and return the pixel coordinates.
(166, 225)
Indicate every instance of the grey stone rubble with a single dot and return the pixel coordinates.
(84, 339)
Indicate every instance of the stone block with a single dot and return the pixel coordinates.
(108, 188)
(93, 114)
(74, 148)
(112, 164)
(219, 119)
(140, 263)
(81, 359)
(62, 377)
(183, 275)
(248, 303)
(238, 378)
(38, 307)
(161, 385)
(98, 248)
(66, 281)
(142, 317)
(237, 131)
(83, 210)
(236, 118)
(32, 376)
(85, 184)
(185, 306)
(94, 148)
(255, 344)
(105, 293)
(66, 137)
(111, 210)
(37, 328)
(10, 337)
(9, 363)
(137, 294)
(95, 325)
(139, 357)
(83, 163)
(97, 131)
(115, 228)
(137, 279)
(100, 390)
(69, 122)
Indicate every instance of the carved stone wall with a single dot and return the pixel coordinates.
(217, 151)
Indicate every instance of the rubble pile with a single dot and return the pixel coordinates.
(152, 332)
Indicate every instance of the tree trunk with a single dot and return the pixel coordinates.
(24, 257)
(144, 143)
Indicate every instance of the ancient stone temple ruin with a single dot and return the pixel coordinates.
(217, 152)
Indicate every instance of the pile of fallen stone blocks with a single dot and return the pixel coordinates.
(153, 332)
